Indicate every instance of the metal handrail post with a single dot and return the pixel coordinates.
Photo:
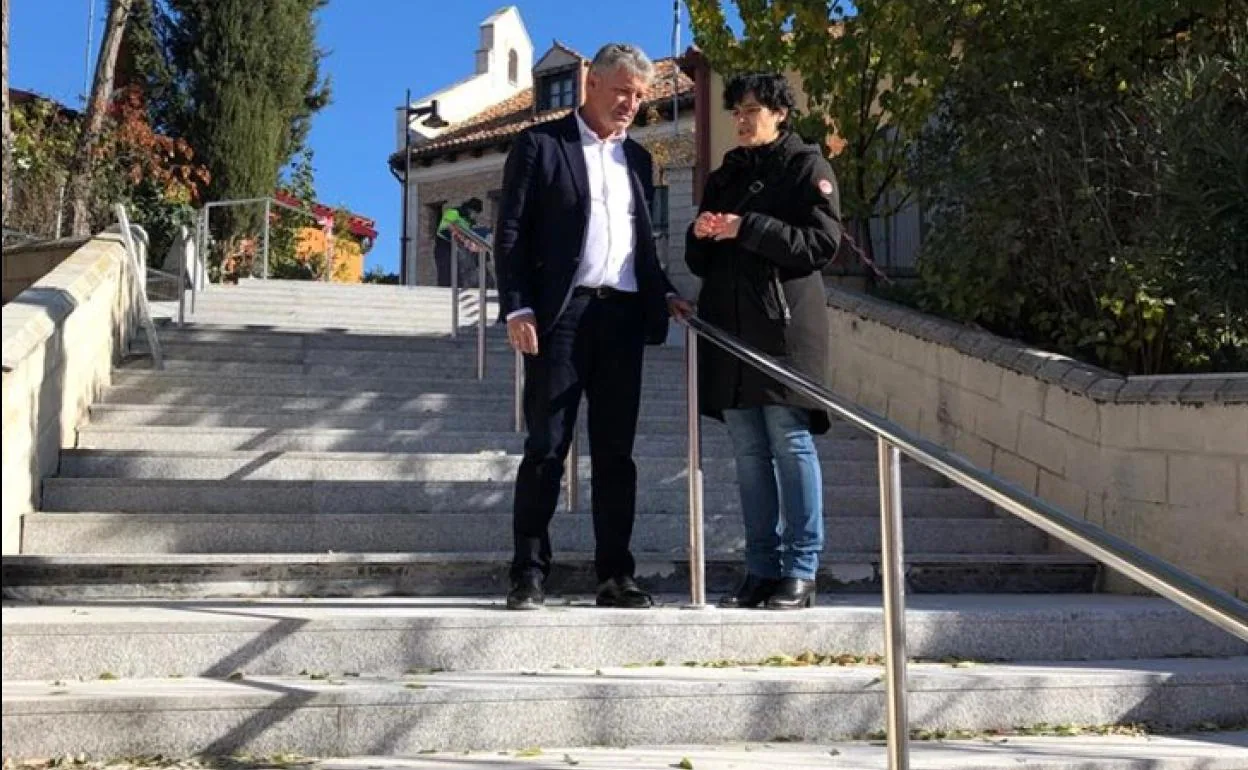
(187, 250)
(203, 262)
(572, 469)
(892, 567)
(201, 242)
(697, 556)
(454, 288)
(518, 390)
(481, 314)
(268, 209)
(135, 269)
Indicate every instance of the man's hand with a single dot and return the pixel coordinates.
(679, 307)
(522, 333)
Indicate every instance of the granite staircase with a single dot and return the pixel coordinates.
(295, 538)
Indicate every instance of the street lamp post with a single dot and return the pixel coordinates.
(434, 120)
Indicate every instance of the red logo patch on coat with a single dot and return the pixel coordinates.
(825, 186)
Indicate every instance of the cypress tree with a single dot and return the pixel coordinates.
(240, 82)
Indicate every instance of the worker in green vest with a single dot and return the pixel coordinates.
(465, 215)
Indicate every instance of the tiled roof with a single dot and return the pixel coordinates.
(359, 226)
(511, 116)
(569, 49)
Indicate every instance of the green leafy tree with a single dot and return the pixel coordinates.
(871, 72)
(6, 134)
(239, 80)
(1086, 182)
(81, 189)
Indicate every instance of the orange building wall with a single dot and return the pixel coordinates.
(348, 256)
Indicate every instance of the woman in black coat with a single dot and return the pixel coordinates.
(769, 222)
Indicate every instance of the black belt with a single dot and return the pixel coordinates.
(601, 292)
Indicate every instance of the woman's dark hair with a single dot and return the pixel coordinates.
(771, 90)
(471, 206)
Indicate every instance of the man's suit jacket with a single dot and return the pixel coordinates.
(541, 226)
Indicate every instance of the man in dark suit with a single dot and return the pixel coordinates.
(583, 293)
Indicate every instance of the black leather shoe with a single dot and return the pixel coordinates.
(792, 594)
(623, 592)
(752, 592)
(526, 594)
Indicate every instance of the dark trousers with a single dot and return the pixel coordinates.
(442, 260)
(596, 349)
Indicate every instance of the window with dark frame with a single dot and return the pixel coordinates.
(557, 91)
(513, 67)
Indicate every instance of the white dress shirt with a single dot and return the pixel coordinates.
(608, 253)
(610, 235)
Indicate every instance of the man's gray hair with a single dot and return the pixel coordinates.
(614, 55)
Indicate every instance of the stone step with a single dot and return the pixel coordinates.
(1227, 750)
(372, 714)
(99, 533)
(256, 299)
(407, 467)
(1224, 750)
(264, 300)
(193, 339)
(179, 439)
(435, 403)
(363, 308)
(434, 326)
(368, 309)
(498, 384)
(88, 577)
(246, 336)
(497, 358)
(161, 495)
(392, 636)
(318, 288)
(204, 417)
(437, 368)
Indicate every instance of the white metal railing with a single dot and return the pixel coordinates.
(138, 278)
(203, 237)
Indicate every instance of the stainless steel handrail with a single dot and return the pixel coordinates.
(1190, 592)
(484, 250)
(136, 269)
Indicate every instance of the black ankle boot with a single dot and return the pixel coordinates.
(752, 592)
(792, 594)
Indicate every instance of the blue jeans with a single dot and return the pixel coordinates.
(780, 479)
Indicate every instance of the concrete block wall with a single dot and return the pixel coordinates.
(1159, 461)
(23, 265)
(61, 337)
(681, 213)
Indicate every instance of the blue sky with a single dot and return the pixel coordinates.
(377, 48)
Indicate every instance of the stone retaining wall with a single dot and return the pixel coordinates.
(1159, 461)
(61, 337)
(23, 265)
